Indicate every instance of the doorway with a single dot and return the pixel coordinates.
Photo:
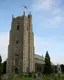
(16, 70)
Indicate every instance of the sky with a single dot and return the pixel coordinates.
(48, 26)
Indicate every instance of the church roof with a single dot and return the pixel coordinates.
(39, 57)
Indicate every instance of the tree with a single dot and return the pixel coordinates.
(4, 67)
(47, 67)
(0, 66)
(62, 68)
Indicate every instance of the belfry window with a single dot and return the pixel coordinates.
(18, 27)
(17, 42)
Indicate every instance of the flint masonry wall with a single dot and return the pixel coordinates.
(21, 57)
(21, 45)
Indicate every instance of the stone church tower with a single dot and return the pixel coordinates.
(21, 45)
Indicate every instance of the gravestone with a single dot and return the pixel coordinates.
(38, 77)
(59, 70)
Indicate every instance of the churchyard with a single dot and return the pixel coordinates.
(50, 73)
(49, 77)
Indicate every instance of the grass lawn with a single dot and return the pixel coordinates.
(22, 78)
(52, 78)
(42, 78)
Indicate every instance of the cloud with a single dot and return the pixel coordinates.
(4, 40)
(54, 48)
(39, 5)
(57, 17)
(51, 15)
(57, 59)
(55, 21)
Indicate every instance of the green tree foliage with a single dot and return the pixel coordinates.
(47, 67)
(0, 67)
(4, 67)
(62, 68)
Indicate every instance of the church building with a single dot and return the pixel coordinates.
(21, 52)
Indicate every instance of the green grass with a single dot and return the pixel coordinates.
(21, 78)
(42, 78)
(52, 78)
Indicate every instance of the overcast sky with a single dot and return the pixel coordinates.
(48, 25)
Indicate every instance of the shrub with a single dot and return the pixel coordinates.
(25, 74)
(29, 74)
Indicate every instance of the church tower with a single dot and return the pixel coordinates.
(21, 45)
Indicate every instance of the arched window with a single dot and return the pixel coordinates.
(18, 27)
(17, 42)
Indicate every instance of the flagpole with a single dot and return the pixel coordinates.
(22, 10)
